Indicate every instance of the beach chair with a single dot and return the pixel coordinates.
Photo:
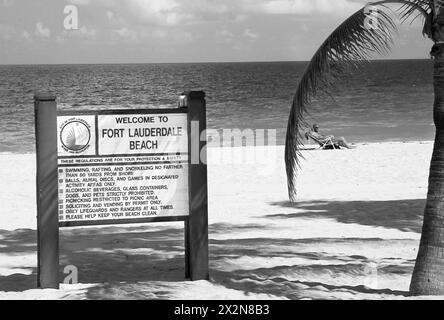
(327, 144)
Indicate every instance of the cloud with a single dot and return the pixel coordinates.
(86, 33)
(174, 13)
(177, 12)
(154, 36)
(159, 12)
(41, 31)
(303, 7)
(226, 35)
(126, 34)
(215, 10)
(80, 2)
(26, 35)
(251, 35)
(83, 33)
(110, 15)
(177, 30)
(7, 3)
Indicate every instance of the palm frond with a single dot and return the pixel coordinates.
(348, 46)
(415, 9)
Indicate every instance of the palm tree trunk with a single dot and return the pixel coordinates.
(428, 275)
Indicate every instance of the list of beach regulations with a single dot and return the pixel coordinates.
(122, 166)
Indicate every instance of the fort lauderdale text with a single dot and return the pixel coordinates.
(142, 133)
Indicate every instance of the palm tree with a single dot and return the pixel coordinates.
(353, 42)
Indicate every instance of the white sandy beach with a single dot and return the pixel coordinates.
(353, 234)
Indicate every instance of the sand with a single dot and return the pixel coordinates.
(353, 234)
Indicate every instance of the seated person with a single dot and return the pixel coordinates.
(338, 142)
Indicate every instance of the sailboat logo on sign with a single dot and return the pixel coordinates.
(75, 135)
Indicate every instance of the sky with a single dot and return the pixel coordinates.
(155, 31)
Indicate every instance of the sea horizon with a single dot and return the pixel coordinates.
(386, 100)
(198, 62)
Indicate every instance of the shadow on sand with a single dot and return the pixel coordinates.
(113, 254)
(121, 259)
(16, 243)
(405, 215)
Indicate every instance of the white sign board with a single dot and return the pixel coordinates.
(122, 166)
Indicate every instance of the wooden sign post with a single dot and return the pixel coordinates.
(45, 109)
(101, 167)
(196, 226)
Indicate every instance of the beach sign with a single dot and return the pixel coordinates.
(102, 167)
(122, 166)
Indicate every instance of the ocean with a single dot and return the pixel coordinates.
(384, 101)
